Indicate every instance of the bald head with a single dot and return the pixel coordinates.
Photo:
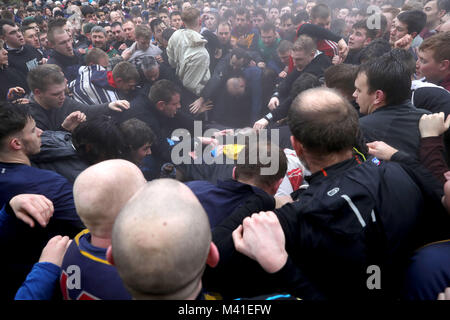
(323, 121)
(160, 242)
(102, 190)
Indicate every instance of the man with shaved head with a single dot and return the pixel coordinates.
(100, 192)
(354, 215)
(161, 243)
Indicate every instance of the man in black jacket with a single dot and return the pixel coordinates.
(352, 219)
(50, 107)
(22, 57)
(383, 92)
(63, 54)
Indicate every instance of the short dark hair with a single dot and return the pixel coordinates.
(260, 12)
(98, 139)
(321, 11)
(444, 5)
(13, 119)
(362, 24)
(374, 49)
(6, 22)
(116, 23)
(155, 22)
(126, 71)
(167, 33)
(304, 82)
(241, 11)
(406, 58)
(268, 26)
(44, 76)
(136, 133)
(302, 15)
(415, 20)
(85, 10)
(326, 130)
(341, 77)
(389, 75)
(246, 169)
(240, 53)
(162, 90)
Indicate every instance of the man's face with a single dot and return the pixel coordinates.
(12, 36)
(90, 17)
(53, 97)
(224, 34)
(241, 22)
(137, 20)
(170, 108)
(284, 57)
(236, 63)
(35, 26)
(268, 38)
(139, 154)
(398, 30)
(309, 6)
(109, 34)
(63, 44)
(128, 29)
(114, 16)
(142, 43)
(158, 31)
(342, 13)
(322, 22)
(358, 39)
(273, 14)
(176, 22)
(432, 12)
(222, 10)
(165, 18)
(364, 99)
(152, 74)
(118, 33)
(101, 16)
(98, 40)
(285, 10)
(287, 26)
(301, 59)
(3, 57)
(31, 138)
(125, 86)
(31, 38)
(211, 22)
(258, 21)
(432, 70)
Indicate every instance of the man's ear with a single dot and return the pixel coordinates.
(160, 105)
(380, 97)
(109, 255)
(15, 144)
(233, 175)
(297, 146)
(37, 92)
(274, 187)
(367, 41)
(213, 256)
(444, 65)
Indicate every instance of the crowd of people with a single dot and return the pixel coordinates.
(253, 149)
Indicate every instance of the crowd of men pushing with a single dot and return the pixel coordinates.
(92, 97)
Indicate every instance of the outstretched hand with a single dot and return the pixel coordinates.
(27, 207)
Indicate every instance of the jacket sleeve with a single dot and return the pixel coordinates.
(40, 282)
(431, 156)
